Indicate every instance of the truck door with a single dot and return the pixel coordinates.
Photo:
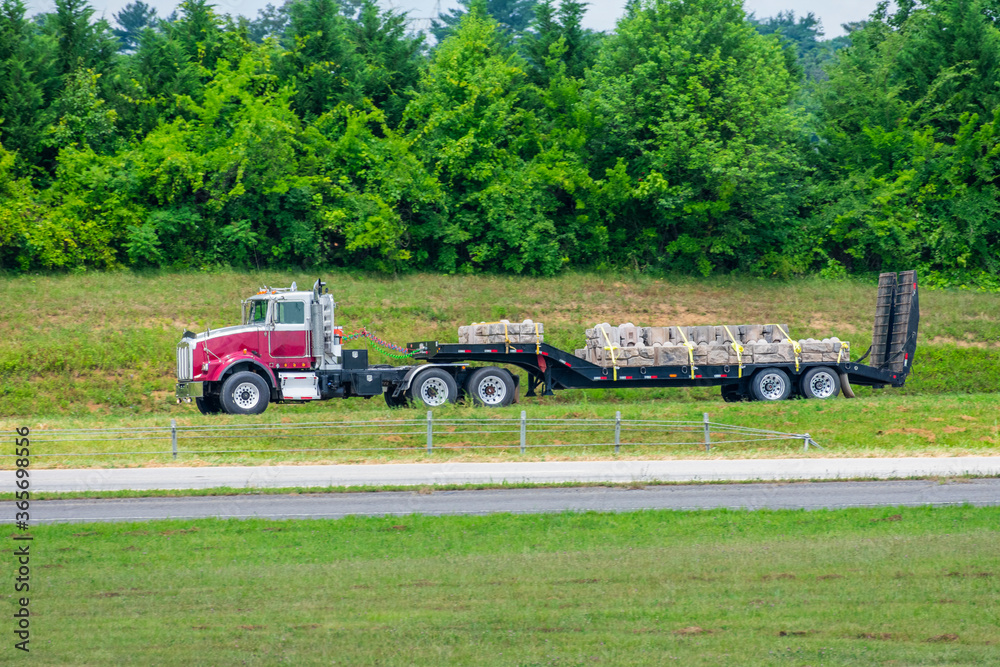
(288, 336)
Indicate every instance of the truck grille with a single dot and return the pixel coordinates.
(185, 362)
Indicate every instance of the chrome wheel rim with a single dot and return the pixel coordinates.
(772, 386)
(246, 395)
(821, 385)
(434, 392)
(492, 390)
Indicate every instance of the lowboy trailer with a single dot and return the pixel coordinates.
(288, 350)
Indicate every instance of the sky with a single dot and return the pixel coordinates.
(600, 15)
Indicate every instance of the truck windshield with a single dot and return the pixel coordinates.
(256, 311)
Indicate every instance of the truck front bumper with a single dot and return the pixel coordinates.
(189, 390)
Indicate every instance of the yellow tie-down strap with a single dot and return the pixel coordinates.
(506, 336)
(737, 348)
(610, 348)
(843, 346)
(690, 346)
(795, 345)
(538, 348)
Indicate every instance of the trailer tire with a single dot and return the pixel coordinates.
(433, 388)
(731, 393)
(771, 384)
(820, 382)
(491, 386)
(245, 393)
(208, 405)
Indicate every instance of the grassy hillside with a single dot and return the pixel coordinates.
(104, 342)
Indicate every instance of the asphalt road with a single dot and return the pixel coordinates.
(802, 495)
(537, 472)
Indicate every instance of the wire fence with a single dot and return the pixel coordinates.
(406, 435)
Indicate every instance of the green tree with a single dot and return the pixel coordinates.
(513, 16)
(132, 20)
(467, 124)
(910, 139)
(698, 145)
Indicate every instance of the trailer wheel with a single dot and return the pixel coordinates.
(491, 386)
(771, 384)
(208, 405)
(820, 382)
(245, 393)
(434, 388)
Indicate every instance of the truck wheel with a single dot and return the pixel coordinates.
(400, 401)
(245, 393)
(208, 405)
(434, 388)
(820, 382)
(771, 384)
(491, 386)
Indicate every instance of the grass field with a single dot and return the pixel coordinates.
(104, 343)
(847, 587)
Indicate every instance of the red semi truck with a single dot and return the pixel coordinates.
(288, 349)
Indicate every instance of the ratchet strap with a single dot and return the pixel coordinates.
(538, 348)
(843, 346)
(610, 348)
(690, 346)
(736, 348)
(795, 345)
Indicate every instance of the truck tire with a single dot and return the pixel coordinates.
(820, 382)
(245, 393)
(491, 386)
(433, 388)
(208, 405)
(771, 384)
(400, 401)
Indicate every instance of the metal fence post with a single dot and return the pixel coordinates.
(524, 430)
(430, 431)
(708, 437)
(618, 431)
(806, 439)
(173, 436)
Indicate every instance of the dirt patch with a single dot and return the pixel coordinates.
(180, 531)
(876, 635)
(109, 594)
(824, 577)
(949, 637)
(782, 575)
(84, 534)
(954, 429)
(930, 436)
(422, 583)
(795, 633)
(894, 517)
(310, 626)
(692, 630)
(251, 627)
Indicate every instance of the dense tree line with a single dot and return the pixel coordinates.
(691, 138)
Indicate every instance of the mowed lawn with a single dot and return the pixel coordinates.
(848, 587)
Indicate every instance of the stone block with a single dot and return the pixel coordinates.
(628, 334)
(674, 355)
(718, 355)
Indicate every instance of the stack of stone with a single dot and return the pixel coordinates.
(502, 332)
(704, 345)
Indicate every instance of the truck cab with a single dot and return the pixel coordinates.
(285, 338)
